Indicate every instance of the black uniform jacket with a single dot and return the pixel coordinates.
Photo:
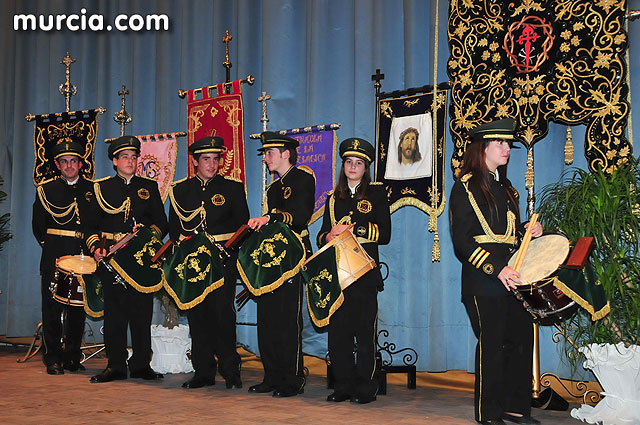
(123, 205)
(224, 202)
(71, 205)
(371, 219)
(291, 198)
(482, 261)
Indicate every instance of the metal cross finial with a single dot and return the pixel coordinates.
(66, 89)
(122, 117)
(226, 39)
(264, 119)
(377, 77)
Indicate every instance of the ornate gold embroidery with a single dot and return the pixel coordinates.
(143, 193)
(217, 199)
(314, 283)
(88, 196)
(192, 262)
(268, 246)
(286, 192)
(148, 247)
(487, 268)
(364, 206)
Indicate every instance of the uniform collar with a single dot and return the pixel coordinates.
(495, 176)
(287, 172)
(125, 181)
(68, 182)
(204, 183)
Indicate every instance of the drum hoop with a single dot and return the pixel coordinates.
(333, 242)
(62, 259)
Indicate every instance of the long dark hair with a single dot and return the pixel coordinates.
(474, 162)
(342, 190)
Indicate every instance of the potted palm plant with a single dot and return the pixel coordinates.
(606, 207)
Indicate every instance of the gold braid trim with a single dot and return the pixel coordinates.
(133, 283)
(48, 206)
(595, 315)
(185, 306)
(181, 213)
(108, 208)
(508, 237)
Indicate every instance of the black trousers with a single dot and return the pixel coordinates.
(355, 319)
(61, 344)
(124, 307)
(503, 355)
(212, 325)
(280, 335)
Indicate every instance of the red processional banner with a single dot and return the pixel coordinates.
(220, 116)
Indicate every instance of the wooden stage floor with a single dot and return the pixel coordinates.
(30, 396)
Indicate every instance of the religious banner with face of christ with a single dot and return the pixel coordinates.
(220, 116)
(50, 129)
(410, 153)
(157, 160)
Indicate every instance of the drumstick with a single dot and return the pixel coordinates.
(525, 244)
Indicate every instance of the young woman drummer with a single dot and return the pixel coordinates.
(485, 227)
(362, 205)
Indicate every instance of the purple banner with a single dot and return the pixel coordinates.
(317, 151)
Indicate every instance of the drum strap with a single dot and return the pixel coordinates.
(509, 236)
(69, 233)
(220, 237)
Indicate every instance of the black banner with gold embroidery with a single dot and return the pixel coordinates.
(411, 151)
(50, 129)
(541, 61)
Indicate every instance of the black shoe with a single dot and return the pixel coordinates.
(147, 374)
(233, 383)
(198, 382)
(363, 399)
(338, 397)
(526, 420)
(73, 366)
(288, 392)
(492, 422)
(109, 375)
(55, 369)
(261, 388)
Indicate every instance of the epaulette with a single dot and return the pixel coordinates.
(307, 169)
(465, 178)
(179, 181)
(102, 179)
(233, 179)
(376, 183)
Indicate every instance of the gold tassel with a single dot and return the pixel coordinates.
(433, 222)
(568, 148)
(435, 251)
(528, 175)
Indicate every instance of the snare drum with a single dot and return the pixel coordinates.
(67, 288)
(353, 260)
(539, 270)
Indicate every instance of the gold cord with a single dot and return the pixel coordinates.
(509, 235)
(186, 216)
(48, 206)
(108, 208)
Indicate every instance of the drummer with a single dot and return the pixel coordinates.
(222, 206)
(362, 205)
(485, 227)
(290, 200)
(59, 212)
(125, 201)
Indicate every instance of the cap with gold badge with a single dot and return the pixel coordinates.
(211, 144)
(357, 147)
(123, 143)
(503, 129)
(67, 148)
(271, 139)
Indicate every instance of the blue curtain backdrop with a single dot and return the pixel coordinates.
(315, 60)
